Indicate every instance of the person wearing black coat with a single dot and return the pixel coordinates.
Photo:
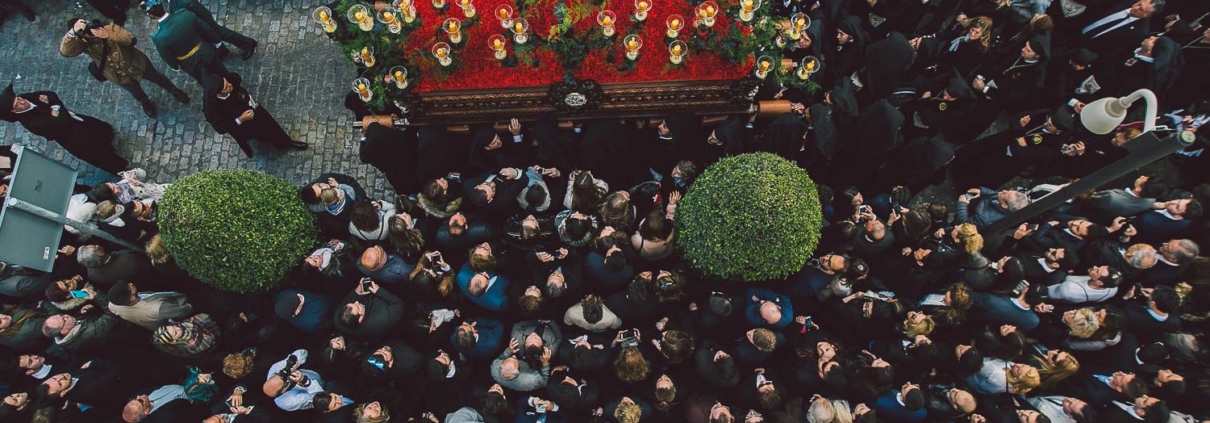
(230, 109)
(1016, 84)
(42, 113)
(392, 152)
(495, 193)
(849, 55)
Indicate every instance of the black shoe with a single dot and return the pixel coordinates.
(181, 96)
(297, 145)
(149, 110)
(223, 51)
(248, 52)
(29, 15)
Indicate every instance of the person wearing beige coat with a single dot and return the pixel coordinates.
(112, 50)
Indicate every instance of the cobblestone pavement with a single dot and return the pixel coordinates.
(296, 73)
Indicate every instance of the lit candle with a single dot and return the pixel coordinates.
(502, 13)
(607, 21)
(748, 5)
(466, 3)
(800, 23)
(389, 17)
(498, 44)
(675, 25)
(453, 27)
(362, 89)
(359, 16)
(399, 75)
(764, 66)
(365, 53)
(323, 16)
(710, 10)
(518, 27)
(643, 6)
(676, 50)
(810, 66)
(441, 53)
(631, 44)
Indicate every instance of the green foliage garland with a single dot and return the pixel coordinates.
(235, 229)
(752, 217)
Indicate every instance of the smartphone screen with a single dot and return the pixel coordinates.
(78, 294)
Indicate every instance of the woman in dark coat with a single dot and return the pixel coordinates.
(786, 136)
(231, 110)
(21, 330)
(849, 53)
(916, 166)
(86, 137)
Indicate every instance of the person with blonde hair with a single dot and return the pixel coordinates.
(918, 324)
(1000, 376)
(372, 412)
(1055, 366)
(1081, 323)
(967, 236)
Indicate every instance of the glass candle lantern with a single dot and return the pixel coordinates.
(674, 24)
(453, 27)
(497, 42)
(390, 16)
(677, 51)
(799, 22)
(519, 29)
(442, 52)
(360, 14)
(747, 9)
(468, 8)
(633, 43)
(438, 4)
(706, 12)
(763, 65)
(323, 16)
(362, 87)
(399, 75)
(807, 67)
(504, 13)
(641, 7)
(606, 19)
(365, 56)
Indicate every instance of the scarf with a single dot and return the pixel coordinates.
(958, 41)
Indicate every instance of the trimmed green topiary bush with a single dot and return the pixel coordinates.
(236, 230)
(751, 217)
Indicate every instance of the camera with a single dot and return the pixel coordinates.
(87, 31)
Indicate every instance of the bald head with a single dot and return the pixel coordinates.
(770, 312)
(217, 418)
(135, 410)
(373, 258)
(273, 386)
(509, 368)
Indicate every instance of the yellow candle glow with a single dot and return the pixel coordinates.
(630, 44)
(365, 52)
(676, 50)
(441, 53)
(359, 16)
(323, 16)
(388, 16)
(675, 25)
(643, 5)
(800, 23)
(709, 10)
(748, 5)
(466, 3)
(497, 44)
(607, 21)
(518, 27)
(398, 75)
(453, 27)
(764, 66)
(502, 13)
(361, 88)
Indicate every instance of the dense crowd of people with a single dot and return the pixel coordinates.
(528, 272)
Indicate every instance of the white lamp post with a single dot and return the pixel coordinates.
(1104, 115)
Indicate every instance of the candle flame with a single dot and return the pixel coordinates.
(390, 17)
(365, 52)
(709, 10)
(810, 66)
(631, 44)
(748, 5)
(441, 53)
(643, 5)
(518, 27)
(764, 66)
(800, 23)
(497, 44)
(503, 13)
(675, 25)
(359, 16)
(607, 21)
(466, 3)
(676, 50)
(453, 27)
(361, 88)
(323, 16)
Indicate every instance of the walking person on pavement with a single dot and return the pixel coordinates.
(231, 110)
(112, 51)
(244, 43)
(184, 41)
(43, 114)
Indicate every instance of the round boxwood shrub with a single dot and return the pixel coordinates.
(235, 229)
(751, 217)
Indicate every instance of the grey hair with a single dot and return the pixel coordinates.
(1158, 5)
(1016, 201)
(1140, 255)
(1185, 250)
(90, 255)
(821, 412)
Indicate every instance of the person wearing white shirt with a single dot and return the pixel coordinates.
(1061, 409)
(295, 390)
(1099, 285)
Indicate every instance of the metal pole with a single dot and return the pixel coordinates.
(80, 226)
(1144, 149)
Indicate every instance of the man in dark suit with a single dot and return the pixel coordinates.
(1174, 259)
(1049, 268)
(1133, 261)
(43, 114)
(1142, 409)
(184, 41)
(1069, 235)
(394, 360)
(478, 339)
(98, 383)
(1150, 321)
(1110, 34)
(496, 193)
(1002, 310)
(1176, 217)
(368, 312)
(1099, 389)
(165, 404)
(245, 44)
(231, 110)
(390, 151)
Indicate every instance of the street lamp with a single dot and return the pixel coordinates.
(1103, 116)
